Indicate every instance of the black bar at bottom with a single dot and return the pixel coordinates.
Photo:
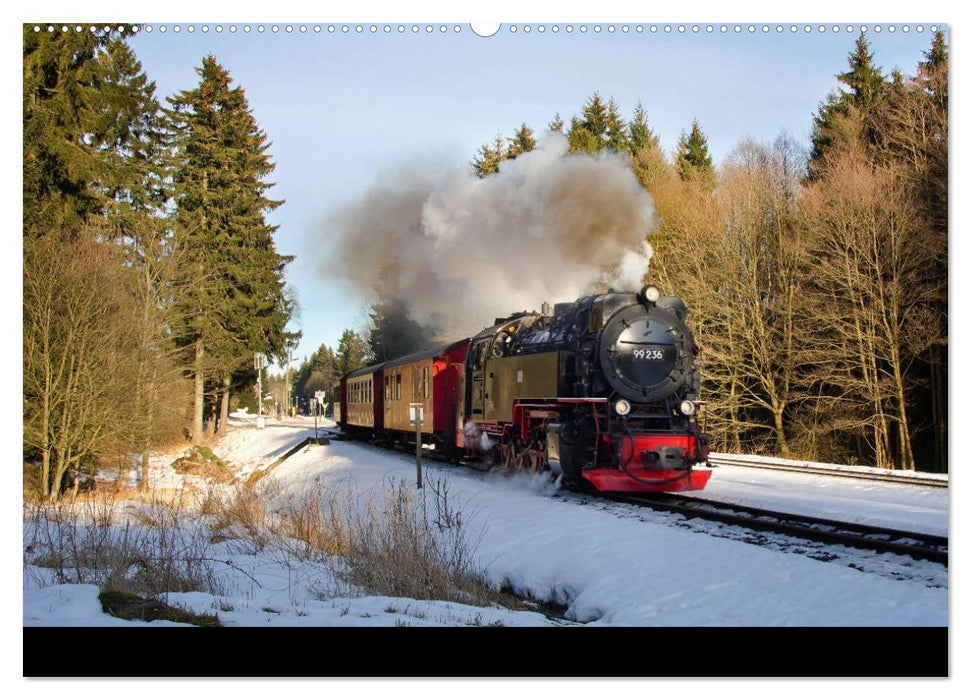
(449, 652)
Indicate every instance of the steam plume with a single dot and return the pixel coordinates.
(461, 251)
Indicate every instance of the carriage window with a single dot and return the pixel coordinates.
(425, 381)
(397, 387)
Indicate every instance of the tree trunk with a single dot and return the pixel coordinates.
(149, 423)
(939, 404)
(906, 447)
(197, 426)
(780, 432)
(224, 407)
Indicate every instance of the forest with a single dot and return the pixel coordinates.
(150, 275)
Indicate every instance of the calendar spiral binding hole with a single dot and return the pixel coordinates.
(597, 29)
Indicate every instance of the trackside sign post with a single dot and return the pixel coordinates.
(416, 413)
(319, 398)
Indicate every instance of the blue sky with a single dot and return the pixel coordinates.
(343, 109)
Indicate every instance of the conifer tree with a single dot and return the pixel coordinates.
(842, 118)
(487, 160)
(522, 142)
(589, 134)
(240, 305)
(639, 134)
(595, 119)
(864, 79)
(350, 353)
(581, 140)
(61, 102)
(692, 159)
(616, 136)
(91, 143)
(556, 124)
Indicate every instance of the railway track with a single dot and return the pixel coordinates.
(868, 473)
(917, 545)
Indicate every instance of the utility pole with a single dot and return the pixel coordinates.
(416, 410)
(259, 361)
(287, 381)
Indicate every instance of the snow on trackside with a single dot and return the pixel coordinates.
(622, 571)
(893, 505)
(609, 565)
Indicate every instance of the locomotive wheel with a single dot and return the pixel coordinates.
(514, 458)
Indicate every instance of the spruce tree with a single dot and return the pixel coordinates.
(91, 140)
(616, 136)
(639, 134)
(350, 353)
(61, 102)
(490, 155)
(595, 119)
(693, 160)
(864, 80)
(522, 142)
(589, 134)
(843, 117)
(238, 304)
(556, 124)
(580, 139)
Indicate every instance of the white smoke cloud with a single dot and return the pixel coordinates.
(463, 250)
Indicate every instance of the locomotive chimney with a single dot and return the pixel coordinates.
(545, 309)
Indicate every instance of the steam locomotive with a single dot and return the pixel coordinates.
(601, 391)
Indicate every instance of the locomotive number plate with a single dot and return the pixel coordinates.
(648, 354)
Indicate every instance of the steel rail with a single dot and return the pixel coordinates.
(915, 544)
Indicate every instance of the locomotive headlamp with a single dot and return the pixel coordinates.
(622, 406)
(687, 407)
(651, 293)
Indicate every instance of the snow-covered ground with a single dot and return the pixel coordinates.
(885, 504)
(610, 565)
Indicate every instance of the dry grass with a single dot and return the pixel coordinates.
(394, 542)
(313, 525)
(146, 549)
(416, 546)
(239, 513)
